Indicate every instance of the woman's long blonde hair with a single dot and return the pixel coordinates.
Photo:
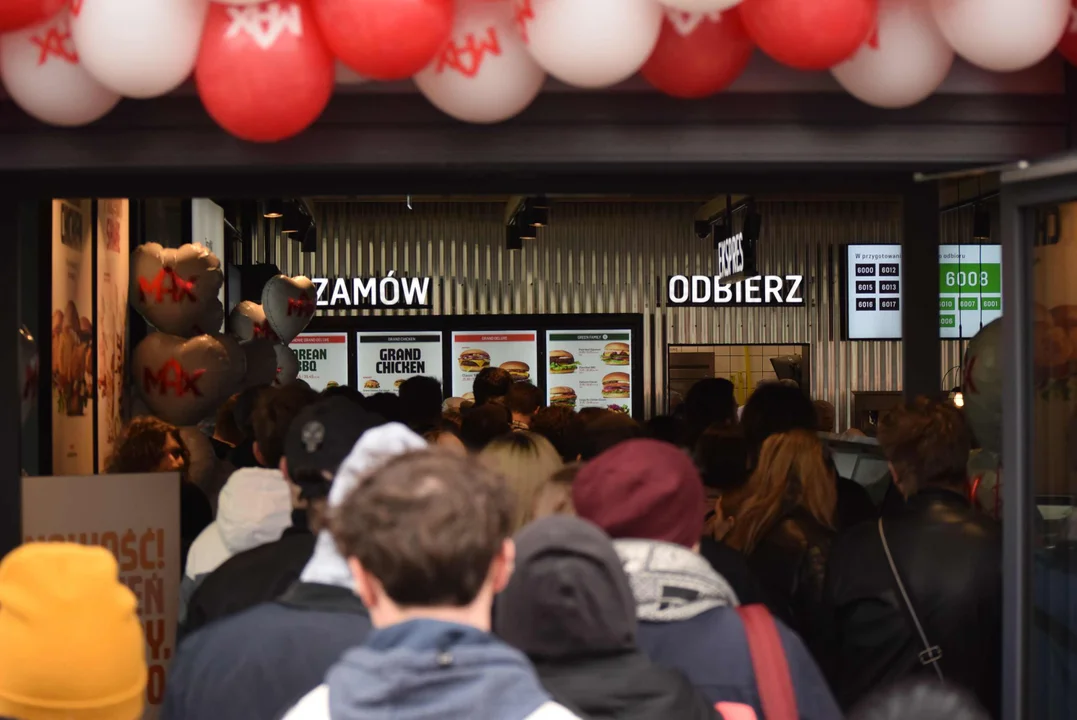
(527, 461)
(791, 472)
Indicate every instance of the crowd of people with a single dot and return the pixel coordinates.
(405, 556)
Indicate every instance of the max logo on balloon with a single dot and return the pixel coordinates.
(172, 376)
(686, 23)
(301, 306)
(57, 41)
(524, 13)
(467, 60)
(178, 289)
(264, 24)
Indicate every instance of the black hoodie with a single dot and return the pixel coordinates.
(570, 609)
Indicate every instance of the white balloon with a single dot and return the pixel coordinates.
(240, 2)
(1002, 35)
(905, 60)
(700, 6)
(484, 74)
(590, 44)
(42, 73)
(136, 48)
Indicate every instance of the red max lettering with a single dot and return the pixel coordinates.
(172, 375)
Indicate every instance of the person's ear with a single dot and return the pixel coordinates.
(504, 565)
(258, 454)
(904, 489)
(364, 584)
(284, 468)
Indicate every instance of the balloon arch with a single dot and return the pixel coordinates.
(266, 70)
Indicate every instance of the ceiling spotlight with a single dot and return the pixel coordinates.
(273, 209)
(535, 212)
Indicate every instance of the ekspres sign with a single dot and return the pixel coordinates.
(711, 291)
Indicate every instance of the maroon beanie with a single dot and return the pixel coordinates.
(642, 489)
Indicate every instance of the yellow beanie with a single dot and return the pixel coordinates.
(71, 644)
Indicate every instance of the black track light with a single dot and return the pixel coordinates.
(273, 209)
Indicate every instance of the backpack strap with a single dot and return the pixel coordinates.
(772, 678)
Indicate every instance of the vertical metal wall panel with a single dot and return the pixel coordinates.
(613, 257)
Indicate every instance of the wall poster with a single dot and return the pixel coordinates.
(113, 269)
(72, 338)
(136, 517)
(323, 358)
(386, 360)
(473, 350)
(589, 368)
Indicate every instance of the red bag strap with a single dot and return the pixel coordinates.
(769, 663)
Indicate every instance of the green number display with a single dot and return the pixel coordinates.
(971, 279)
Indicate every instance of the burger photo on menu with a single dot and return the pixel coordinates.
(562, 396)
(398, 383)
(519, 371)
(562, 361)
(615, 353)
(371, 385)
(474, 360)
(615, 385)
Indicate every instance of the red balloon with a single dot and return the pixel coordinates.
(809, 34)
(19, 14)
(385, 39)
(264, 72)
(698, 54)
(1067, 46)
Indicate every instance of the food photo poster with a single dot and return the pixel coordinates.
(589, 368)
(386, 360)
(515, 351)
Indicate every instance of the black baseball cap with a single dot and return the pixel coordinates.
(322, 435)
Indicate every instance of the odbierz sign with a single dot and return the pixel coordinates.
(761, 290)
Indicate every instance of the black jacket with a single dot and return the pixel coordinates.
(789, 563)
(624, 686)
(733, 566)
(949, 557)
(254, 576)
(259, 663)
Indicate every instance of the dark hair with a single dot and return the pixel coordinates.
(825, 415)
(562, 427)
(774, 408)
(484, 423)
(246, 401)
(923, 699)
(709, 401)
(603, 433)
(491, 383)
(225, 426)
(345, 391)
(420, 402)
(140, 448)
(273, 415)
(927, 442)
(667, 428)
(721, 454)
(387, 405)
(523, 398)
(588, 415)
(427, 525)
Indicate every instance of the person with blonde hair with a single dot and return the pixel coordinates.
(785, 525)
(527, 461)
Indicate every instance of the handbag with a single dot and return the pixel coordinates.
(771, 668)
(931, 654)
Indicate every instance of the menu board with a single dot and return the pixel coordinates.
(386, 360)
(473, 350)
(970, 290)
(323, 359)
(874, 292)
(589, 368)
